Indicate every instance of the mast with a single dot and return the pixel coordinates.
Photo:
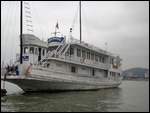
(80, 21)
(20, 32)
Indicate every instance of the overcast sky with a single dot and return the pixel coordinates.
(123, 25)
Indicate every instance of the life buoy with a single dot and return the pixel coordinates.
(82, 59)
(28, 69)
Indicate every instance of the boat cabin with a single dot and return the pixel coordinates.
(33, 49)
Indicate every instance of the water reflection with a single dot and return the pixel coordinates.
(86, 101)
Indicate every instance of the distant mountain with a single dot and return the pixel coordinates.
(138, 72)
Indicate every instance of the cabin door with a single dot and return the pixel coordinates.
(93, 72)
(39, 56)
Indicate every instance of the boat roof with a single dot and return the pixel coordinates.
(33, 40)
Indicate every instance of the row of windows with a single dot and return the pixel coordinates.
(74, 70)
(115, 61)
(89, 55)
(33, 50)
(114, 74)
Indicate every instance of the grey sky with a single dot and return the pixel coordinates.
(124, 25)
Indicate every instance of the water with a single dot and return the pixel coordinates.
(130, 96)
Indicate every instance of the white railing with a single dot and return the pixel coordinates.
(86, 61)
(61, 45)
(49, 54)
(64, 46)
(73, 40)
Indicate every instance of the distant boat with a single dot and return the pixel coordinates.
(64, 65)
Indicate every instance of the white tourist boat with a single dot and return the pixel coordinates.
(61, 64)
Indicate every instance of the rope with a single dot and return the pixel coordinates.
(74, 20)
(89, 33)
(5, 22)
(38, 20)
(8, 32)
(13, 34)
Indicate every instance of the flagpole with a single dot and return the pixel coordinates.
(56, 28)
(55, 32)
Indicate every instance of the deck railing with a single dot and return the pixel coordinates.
(73, 40)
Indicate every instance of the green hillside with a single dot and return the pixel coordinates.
(139, 72)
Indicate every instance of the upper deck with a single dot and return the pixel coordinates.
(74, 51)
(74, 41)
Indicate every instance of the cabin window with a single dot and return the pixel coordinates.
(31, 49)
(25, 49)
(114, 74)
(117, 62)
(96, 58)
(110, 73)
(118, 74)
(83, 54)
(93, 72)
(71, 51)
(73, 69)
(112, 61)
(88, 55)
(102, 59)
(99, 58)
(92, 56)
(43, 52)
(35, 50)
(78, 53)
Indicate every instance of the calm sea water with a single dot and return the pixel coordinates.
(130, 96)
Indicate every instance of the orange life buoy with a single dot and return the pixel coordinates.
(28, 69)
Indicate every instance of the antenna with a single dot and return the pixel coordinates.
(55, 33)
(80, 22)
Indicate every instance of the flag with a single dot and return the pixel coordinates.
(57, 25)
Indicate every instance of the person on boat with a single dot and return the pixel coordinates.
(16, 68)
(7, 68)
(11, 69)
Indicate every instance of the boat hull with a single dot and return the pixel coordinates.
(32, 84)
(43, 79)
